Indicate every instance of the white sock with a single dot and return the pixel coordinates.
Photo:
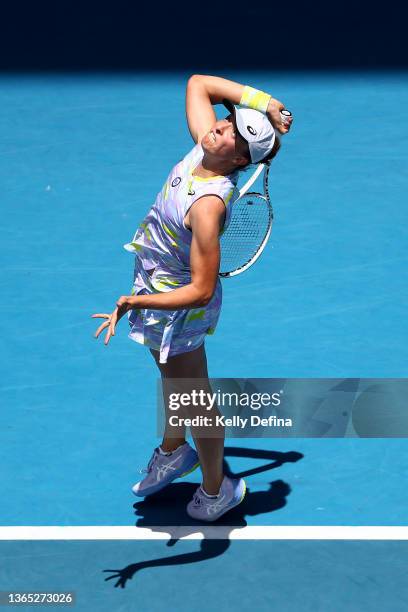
(206, 494)
(163, 453)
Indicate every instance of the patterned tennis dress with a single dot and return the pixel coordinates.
(162, 263)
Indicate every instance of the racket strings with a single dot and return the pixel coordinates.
(248, 228)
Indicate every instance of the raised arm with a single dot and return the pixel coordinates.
(203, 91)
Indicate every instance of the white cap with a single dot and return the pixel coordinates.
(255, 128)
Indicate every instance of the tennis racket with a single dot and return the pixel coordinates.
(250, 225)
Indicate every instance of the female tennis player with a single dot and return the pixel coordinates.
(176, 296)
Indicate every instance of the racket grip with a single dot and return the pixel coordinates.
(285, 115)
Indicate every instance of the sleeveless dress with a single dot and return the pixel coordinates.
(162, 263)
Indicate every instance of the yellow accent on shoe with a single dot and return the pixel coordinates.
(192, 470)
(244, 493)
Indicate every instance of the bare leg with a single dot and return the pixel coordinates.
(210, 450)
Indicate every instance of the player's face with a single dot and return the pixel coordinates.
(223, 140)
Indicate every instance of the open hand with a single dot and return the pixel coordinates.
(122, 306)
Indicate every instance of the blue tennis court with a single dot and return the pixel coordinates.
(290, 575)
(80, 167)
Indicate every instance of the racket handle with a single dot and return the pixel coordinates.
(285, 115)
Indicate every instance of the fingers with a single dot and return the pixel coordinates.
(278, 124)
(287, 122)
(113, 321)
(111, 325)
(104, 325)
(283, 128)
(274, 114)
(101, 328)
(107, 337)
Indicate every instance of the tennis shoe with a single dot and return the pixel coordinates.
(205, 508)
(163, 469)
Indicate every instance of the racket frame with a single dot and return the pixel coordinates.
(265, 196)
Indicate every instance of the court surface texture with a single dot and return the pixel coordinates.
(83, 158)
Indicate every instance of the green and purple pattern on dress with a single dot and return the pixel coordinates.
(162, 263)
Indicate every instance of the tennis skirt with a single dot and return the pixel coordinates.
(173, 332)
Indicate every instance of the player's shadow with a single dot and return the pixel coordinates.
(165, 512)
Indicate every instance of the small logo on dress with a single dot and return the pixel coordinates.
(191, 191)
(176, 181)
(251, 130)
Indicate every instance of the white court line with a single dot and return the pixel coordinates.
(318, 532)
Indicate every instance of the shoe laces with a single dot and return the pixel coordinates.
(215, 506)
(152, 461)
(162, 470)
(211, 506)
